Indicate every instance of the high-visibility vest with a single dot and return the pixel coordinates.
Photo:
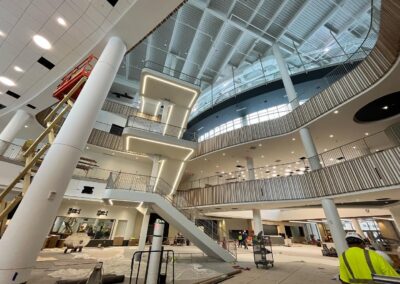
(357, 266)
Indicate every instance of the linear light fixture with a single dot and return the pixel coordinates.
(158, 176)
(158, 105)
(162, 143)
(195, 93)
(177, 177)
(143, 102)
(168, 117)
(183, 123)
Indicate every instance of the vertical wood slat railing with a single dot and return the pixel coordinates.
(377, 170)
(365, 74)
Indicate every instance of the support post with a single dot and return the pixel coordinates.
(335, 225)
(144, 228)
(156, 245)
(39, 206)
(10, 132)
(357, 227)
(258, 226)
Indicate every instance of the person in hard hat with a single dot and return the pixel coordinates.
(358, 264)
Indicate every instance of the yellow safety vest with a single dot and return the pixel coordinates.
(357, 266)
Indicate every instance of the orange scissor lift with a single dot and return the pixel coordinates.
(67, 92)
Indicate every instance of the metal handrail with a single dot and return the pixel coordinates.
(159, 127)
(351, 150)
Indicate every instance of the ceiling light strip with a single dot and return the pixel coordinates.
(158, 176)
(162, 143)
(177, 178)
(142, 108)
(168, 118)
(195, 92)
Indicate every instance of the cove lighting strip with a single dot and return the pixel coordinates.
(162, 143)
(158, 176)
(142, 108)
(158, 105)
(177, 178)
(195, 93)
(183, 123)
(168, 118)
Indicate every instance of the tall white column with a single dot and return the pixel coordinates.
(32, 221)
(357, 227)
(309, 147)
(156, 245)
(395, 212)
(17, 122)
(144, 228)
(250, 168)
(335, 225)
(287, 81)
(258, 226)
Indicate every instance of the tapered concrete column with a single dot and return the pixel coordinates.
(335, 225)
(258, 226)
(250, 168)
(305, 134)
(357, 227)
(287, 81)
(24, 237)
(395, 212)
(11, 130)
(309, 147)
(144, 228)
(155, 171)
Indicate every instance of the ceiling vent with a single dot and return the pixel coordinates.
(12, 94)
(46, 63)
(278, 161)
(253, 147)
(239, 166)
(31, 106)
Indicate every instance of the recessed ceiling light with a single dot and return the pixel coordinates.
(331, 136)
(336, 112)
(293, 139)
(18, 69)
(354, 147)
(223, 154)
(6, 81)
(259, 145)
(366, 133)
(262, 156)
(2, 34)
(292, 152)
(61, 21)
(325, 150)
(41, 41)
(385, 107)
(26, 126)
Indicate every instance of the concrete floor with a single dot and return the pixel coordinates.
(297, 264)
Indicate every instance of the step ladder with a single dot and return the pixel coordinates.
(67, 92)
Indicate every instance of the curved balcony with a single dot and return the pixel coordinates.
(377, 170)
(351, 84)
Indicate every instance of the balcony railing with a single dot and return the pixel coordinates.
(158, 127)
(355, 149)
(344, 83)
(377, 170)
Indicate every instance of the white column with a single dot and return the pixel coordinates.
(395, 212)
(250, 168)
(156, 245)
(144, 228)
(287, 81)
(357, 227)
(305, 134)
(24, 237)
(11, 130)
(309, 147)
(335, 225)
(258, 226)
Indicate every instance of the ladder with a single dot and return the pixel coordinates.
(72, 83)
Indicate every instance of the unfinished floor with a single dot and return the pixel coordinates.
(297, 264)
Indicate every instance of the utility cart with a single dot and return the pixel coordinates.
(262, 250)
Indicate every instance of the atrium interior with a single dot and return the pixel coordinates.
(197, 141)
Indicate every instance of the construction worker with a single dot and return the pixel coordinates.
(358, 264)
